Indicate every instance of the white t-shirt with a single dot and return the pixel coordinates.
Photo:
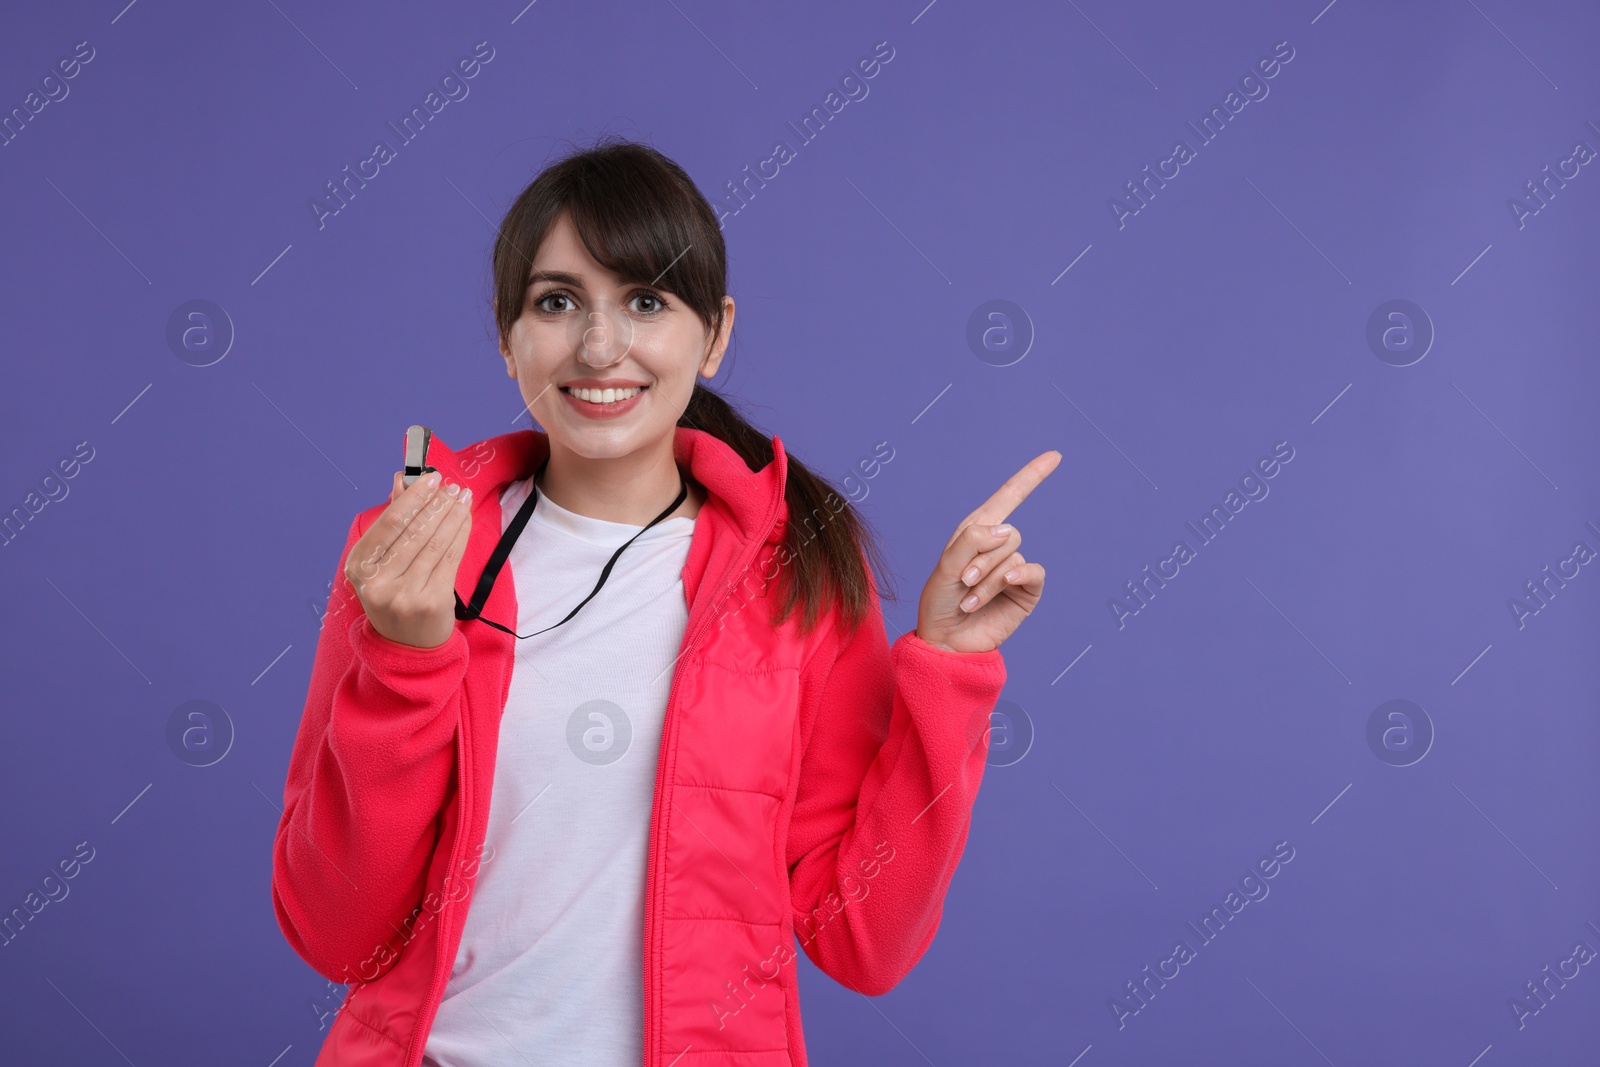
(549, 970)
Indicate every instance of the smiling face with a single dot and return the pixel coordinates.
(606, 366)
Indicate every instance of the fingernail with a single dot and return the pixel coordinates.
(970, 603)
(433, 479)
(971, 575)
(466, 498)
(1011, 576)
(1002, 530)
(452, 489)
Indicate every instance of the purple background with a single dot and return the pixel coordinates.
(190, 556)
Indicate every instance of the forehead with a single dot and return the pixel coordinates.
(562, 252)
(563, 249)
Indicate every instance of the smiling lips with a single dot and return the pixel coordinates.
(601, 403)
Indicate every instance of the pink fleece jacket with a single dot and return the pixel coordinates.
(814, 787)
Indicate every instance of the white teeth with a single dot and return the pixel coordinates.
(604, 396)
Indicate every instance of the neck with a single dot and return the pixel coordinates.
(629, 489)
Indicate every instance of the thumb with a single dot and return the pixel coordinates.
(398, 486)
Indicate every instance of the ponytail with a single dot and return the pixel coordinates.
(827, 543)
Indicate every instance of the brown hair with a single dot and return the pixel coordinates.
(636, 212)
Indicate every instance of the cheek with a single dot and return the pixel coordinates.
(670, 359)
(538, 343)
(674, 388)
(539, 358)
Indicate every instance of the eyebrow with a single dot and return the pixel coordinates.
(562, 277)
(536, 276)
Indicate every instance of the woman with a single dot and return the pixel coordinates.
(584, 815)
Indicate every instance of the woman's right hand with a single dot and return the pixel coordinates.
(404, 567)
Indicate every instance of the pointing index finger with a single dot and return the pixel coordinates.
(1015, 490)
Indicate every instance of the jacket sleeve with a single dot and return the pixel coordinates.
(368, 776)
(895, 741)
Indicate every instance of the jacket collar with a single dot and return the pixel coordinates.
(752, 500)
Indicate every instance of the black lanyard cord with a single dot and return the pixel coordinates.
(502, 551)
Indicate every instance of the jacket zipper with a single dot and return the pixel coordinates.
(656, 831)
(463, 824)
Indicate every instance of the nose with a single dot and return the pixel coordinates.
(604, 337)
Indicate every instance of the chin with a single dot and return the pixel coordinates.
(598, 442)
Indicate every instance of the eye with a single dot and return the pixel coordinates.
(659, 305)
(554, 294)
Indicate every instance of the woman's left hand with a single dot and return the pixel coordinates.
(982, 588)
